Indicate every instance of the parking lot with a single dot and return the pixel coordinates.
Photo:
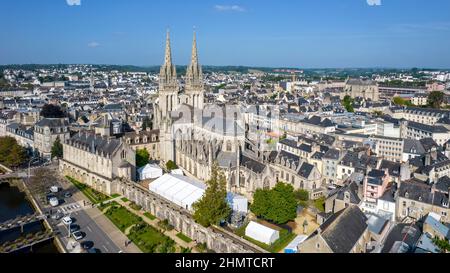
(89, 236)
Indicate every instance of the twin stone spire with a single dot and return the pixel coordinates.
(168, 73)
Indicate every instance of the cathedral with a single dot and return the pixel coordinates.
(194, 135)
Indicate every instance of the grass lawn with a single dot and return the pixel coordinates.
(122, 218)
(93, 195)
(149, 216)
(124, 199)
(150, 240)
(320, 204)
(115, 195)
(241, 231)
(184, 237)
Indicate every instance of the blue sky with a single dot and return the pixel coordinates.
(287, 33)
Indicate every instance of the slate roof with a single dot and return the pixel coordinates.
(252, 164)
(332, 154)
(352, 189)
(316, 120)
(417, 190)
(305, 170)
(413, 146)
(427, 128)
(227, 159)
(392, 167)
(343, 230)
(289, 142)
(305, 147)
(95, 143)
(317, 155)
(443, 184)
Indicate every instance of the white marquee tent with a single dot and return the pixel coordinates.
(181, 190)
(150, 171)
(261, 233)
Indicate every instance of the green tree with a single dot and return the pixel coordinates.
(146, 123)
(400, 101)
(435, 99)
(57, 149)
(347, 102)
(213, 208)
(170, 165)
(52, 111)
(261, 202)
(443, 245)
(301, 195)
(142, 157)
(278, 205)
(11, 153)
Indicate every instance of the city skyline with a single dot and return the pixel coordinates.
(400, 34)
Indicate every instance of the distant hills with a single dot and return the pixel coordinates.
(310, 73)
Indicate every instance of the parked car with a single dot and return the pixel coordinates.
(77, 235)
(67, 220)
(73, 228)
(54, 189)
(54, 202)
(57, 216)
(67, 195)
(93, 250)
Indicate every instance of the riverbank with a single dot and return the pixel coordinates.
(16, 201)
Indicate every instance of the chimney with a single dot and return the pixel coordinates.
(427, 159)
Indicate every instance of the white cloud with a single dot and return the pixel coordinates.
(73, 2)
(93, 44)
(229, 8)
(374, 2)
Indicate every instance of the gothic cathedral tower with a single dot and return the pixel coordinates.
(168, 99)
(194, 79)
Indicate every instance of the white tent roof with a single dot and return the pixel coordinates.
(181, 190)
(261, 233)
(149, 167)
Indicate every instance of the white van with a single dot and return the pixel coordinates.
(67, 220)
(54, 201)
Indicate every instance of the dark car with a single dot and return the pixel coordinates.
(93, 250)
(87, 245)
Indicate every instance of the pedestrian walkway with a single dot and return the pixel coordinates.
(171, 234)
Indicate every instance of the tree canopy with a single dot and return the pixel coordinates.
(57, 149)
(400, 101)
(170, 165)
(52, 111)
(142, 157)
(278, 205)
(11, 153)
(213, 208)
(435, 99)
(347, 102)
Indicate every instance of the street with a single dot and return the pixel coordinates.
(93, 234)
(83, 215)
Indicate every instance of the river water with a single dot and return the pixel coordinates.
(13, 203)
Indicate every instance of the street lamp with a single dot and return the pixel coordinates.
(34, 158)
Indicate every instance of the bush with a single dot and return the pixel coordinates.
(170, 165)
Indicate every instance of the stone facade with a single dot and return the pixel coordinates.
(366, 89)
(46, 131)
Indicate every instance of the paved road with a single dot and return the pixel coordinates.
(87, 225)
